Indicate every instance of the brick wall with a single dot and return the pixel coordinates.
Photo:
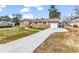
(40, 25)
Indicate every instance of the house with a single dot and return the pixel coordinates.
(5, 22)
(44, 23)
(74, 22)
(64, 23)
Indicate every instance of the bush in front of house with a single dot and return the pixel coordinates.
(75, 26)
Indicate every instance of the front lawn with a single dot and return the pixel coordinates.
(10, 34)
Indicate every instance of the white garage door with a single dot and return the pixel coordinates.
(54, 25)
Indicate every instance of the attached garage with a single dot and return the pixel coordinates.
(54, 25)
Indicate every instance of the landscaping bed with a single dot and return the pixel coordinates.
(61, 42)
(14, 33)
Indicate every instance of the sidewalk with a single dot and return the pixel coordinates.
(28, 44)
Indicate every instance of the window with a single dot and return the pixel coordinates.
(39, 21)
(36, 22)
(44, 22)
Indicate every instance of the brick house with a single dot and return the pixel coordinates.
(25, 23)
(44, 23)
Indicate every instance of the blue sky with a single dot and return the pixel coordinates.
(66, 10)
(35, 11)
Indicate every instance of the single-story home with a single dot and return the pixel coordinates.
(74, 22)
(44, 23)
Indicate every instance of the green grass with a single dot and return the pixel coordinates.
(14, 33)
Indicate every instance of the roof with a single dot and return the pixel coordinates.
(44, 19)
(24, 20)
(48, 19)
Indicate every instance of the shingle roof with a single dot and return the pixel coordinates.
(48, 19)
(44, 19)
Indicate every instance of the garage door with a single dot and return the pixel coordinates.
(54, 25)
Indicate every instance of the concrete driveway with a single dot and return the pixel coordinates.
(30, 43)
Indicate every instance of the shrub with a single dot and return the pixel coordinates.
(75, 25)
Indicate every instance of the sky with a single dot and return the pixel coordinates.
(39, 11)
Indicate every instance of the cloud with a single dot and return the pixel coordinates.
(1, 7)
(39, 8)
(25, 10)
(10, 16)
(29, 15)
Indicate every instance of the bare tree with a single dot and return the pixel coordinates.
(77, 10)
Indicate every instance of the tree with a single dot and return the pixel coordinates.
(8, 18)
(16, 21)
(16, 18)
(76, 11)
(17, 15)
(53, 13)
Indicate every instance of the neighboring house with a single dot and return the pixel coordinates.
(64, 23)
(44, 23)
(5, 22)
(74, 22)
(25, 23)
